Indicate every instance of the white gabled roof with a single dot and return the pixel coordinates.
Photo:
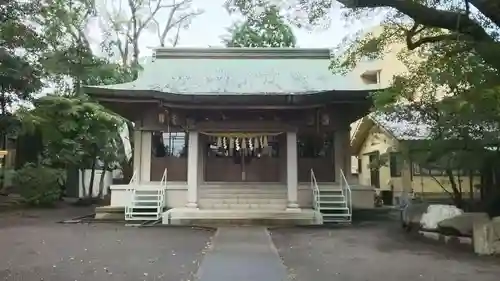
(413, 129)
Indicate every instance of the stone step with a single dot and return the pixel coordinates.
(243, 190)
(243, 186)
(241, 195)
(234, 216)
(241, 206)
(210, 201)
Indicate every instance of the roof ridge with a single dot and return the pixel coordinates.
(240, 53)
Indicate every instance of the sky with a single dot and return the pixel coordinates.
(206, 29)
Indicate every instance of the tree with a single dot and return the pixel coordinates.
(69, 59)
(474, 23)
(457, 99)
(76, 132)
(20, 73)
(267, 29)
(124, 24)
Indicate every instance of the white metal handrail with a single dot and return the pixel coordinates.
(131, 193)
(315, 190)
(163, 181)
(163, 187)
(344, 185)
(133, 179)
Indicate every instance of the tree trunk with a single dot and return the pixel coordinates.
(471, 185)
(92, 177)
(101, 181)
(82, 181)
(456, 194)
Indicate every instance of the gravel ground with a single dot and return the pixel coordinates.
(375, 252)
(33, 247)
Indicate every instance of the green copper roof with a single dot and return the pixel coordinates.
(240, 71)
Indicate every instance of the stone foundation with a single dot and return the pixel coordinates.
(188, 216)
(110, 213)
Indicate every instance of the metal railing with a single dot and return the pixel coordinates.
(146, 201)
(346, 192)
(315, 190)
(163, 187)
(133, 179)
(129, 208)
(163, 181)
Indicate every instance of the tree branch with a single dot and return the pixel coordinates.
(489, 8)
(183, 5)
(453, 21)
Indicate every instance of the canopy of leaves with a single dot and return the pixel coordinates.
(74, 130)
(20, 74)
(267, 29)
(302, 13)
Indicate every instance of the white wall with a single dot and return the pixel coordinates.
(83, 190)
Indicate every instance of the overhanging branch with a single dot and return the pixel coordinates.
(458, 22)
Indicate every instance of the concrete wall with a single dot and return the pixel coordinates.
(176, 195)
(83, 190)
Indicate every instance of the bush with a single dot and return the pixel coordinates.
(38, 185)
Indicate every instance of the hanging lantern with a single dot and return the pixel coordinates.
(325, 119)
(161, 117)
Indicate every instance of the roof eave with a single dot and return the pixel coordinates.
(230, 99)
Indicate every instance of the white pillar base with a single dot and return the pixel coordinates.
(293, 207)
(192, 205)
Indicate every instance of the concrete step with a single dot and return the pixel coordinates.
(229, 216)
(230, 195)
(331, 196)
(241, 190)
(330, 202)
(243, 186)
(322, 208)
(243, 206)
(242, 196)
(242, 200)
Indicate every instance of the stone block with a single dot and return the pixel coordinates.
(486, 236)
(461, 224)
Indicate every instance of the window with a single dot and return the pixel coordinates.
(360, 164)
(169, 144)
(395, 164)
(371, 77)
(426, 171)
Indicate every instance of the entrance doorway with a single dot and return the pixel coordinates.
(242, 163)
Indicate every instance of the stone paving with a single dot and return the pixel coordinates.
(243, 254)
